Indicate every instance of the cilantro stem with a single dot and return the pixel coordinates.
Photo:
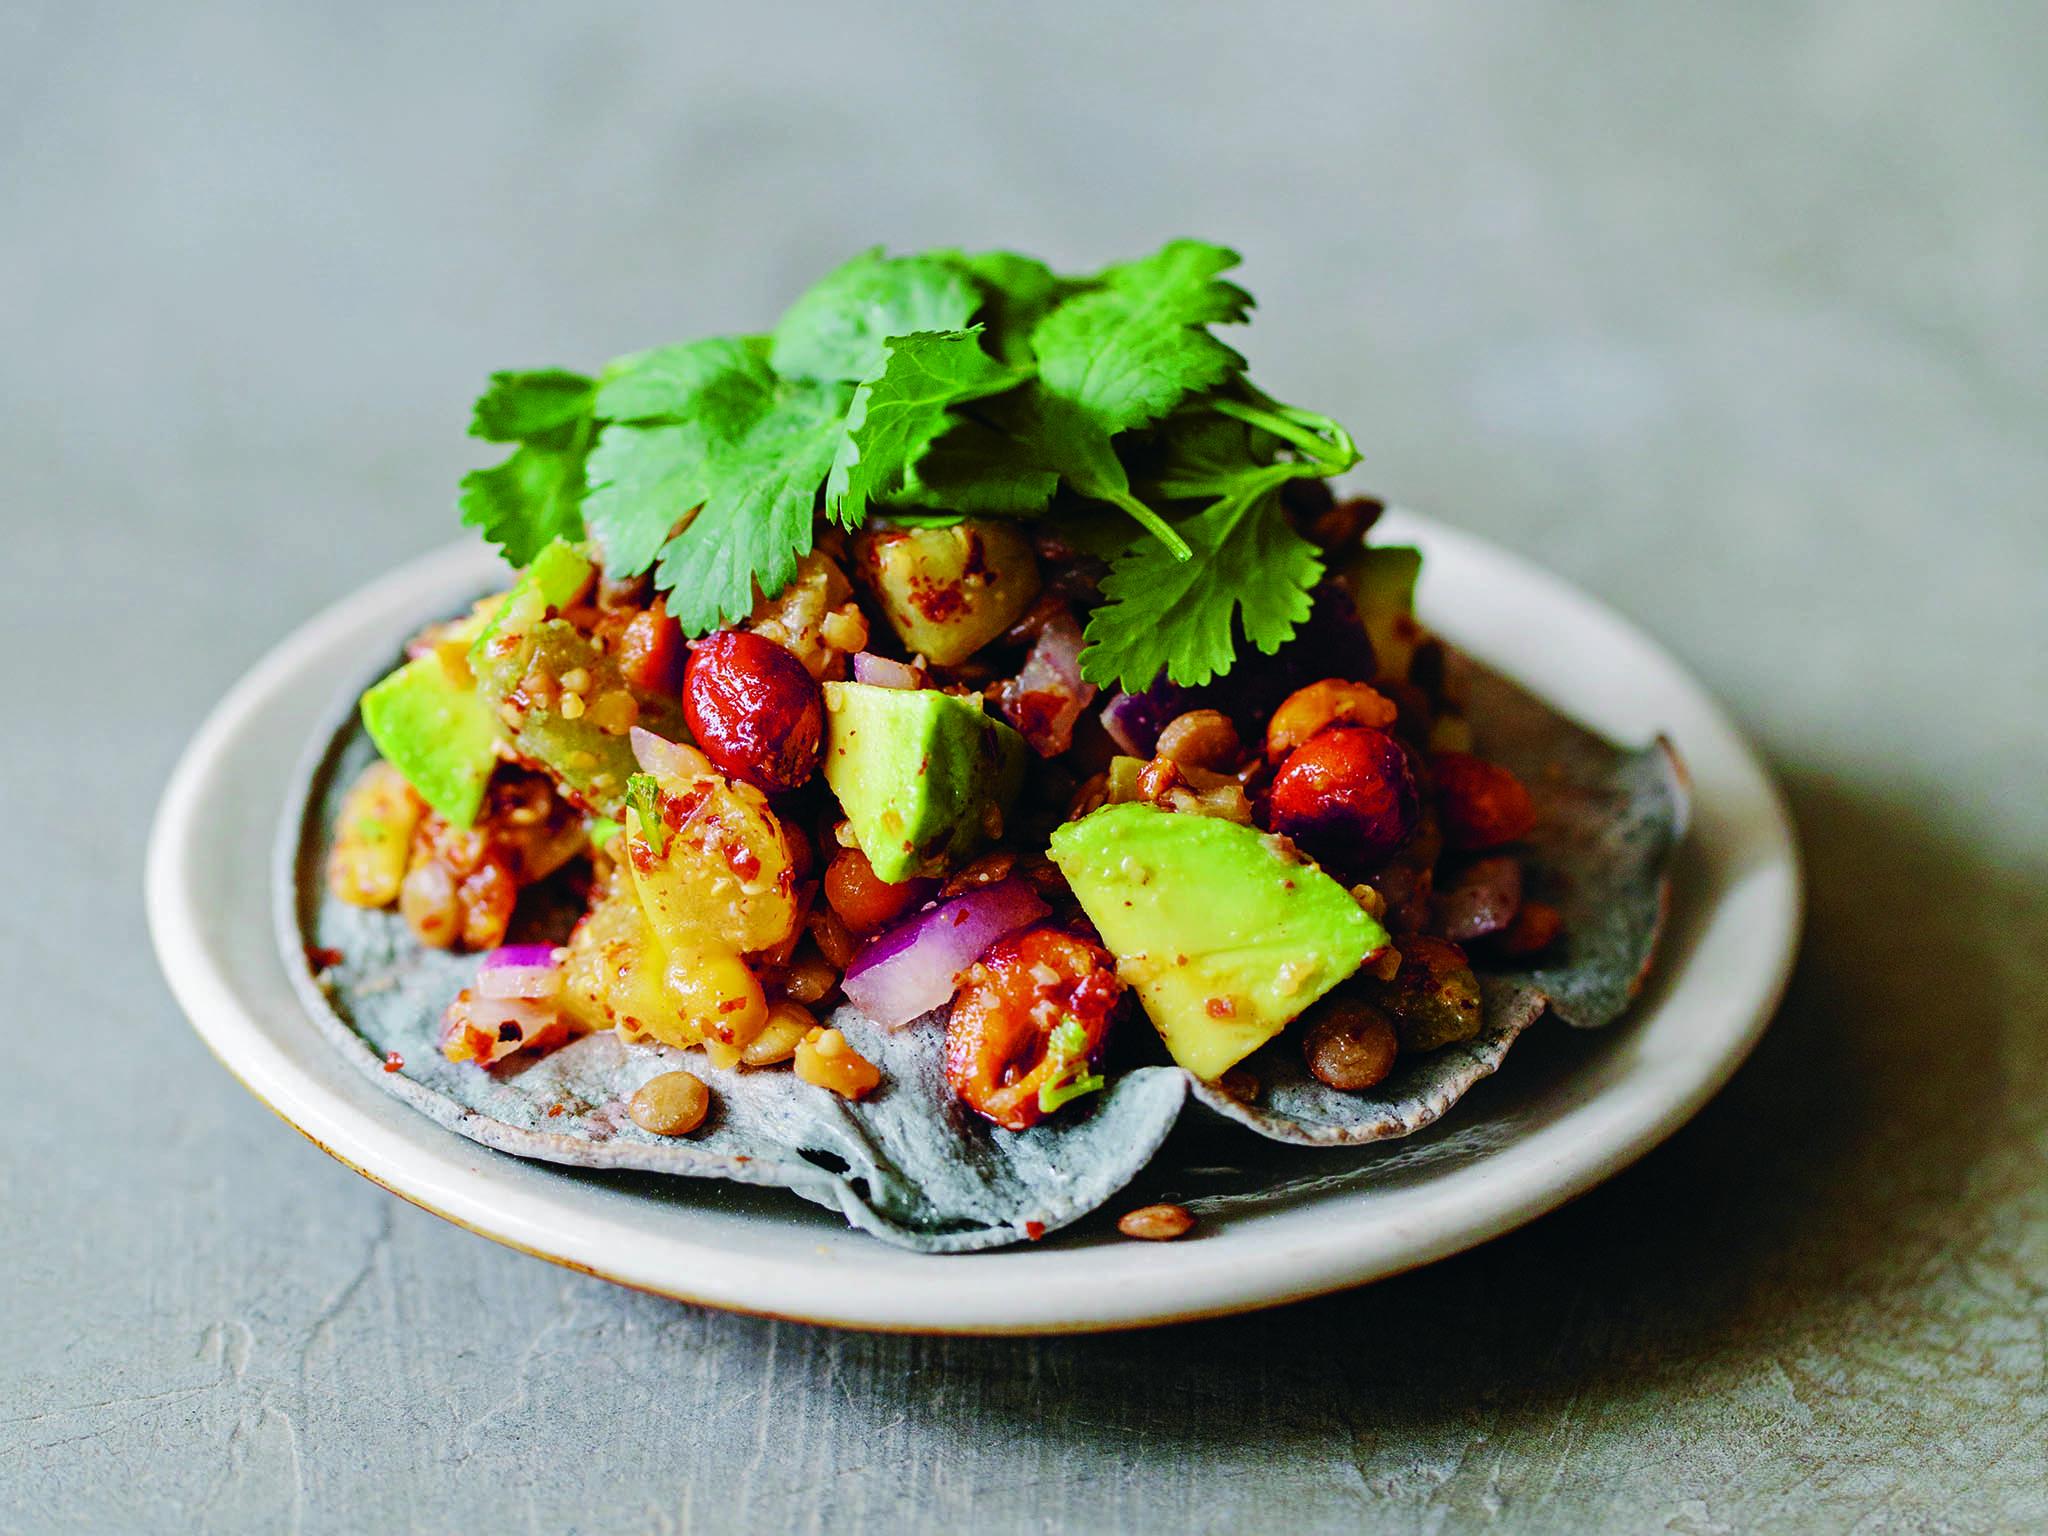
(1152, 523)
(1242, 484)
(1317, 436)
(1067, 1054)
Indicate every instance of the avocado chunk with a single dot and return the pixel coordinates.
(552, 580)
(431, 726)
(924, 777)
(948, 591)
(1226, 933)
(1382, 581)
(521, 659)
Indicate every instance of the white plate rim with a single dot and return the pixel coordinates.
(1744, 921)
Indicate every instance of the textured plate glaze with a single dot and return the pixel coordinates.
(1300, 1221)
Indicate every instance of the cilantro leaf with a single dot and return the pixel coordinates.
(840, 328)
(717, 477)
(531, 499)
(675, 383)
(1123, 351)
(534, 495)
(1072, 442)
(940, 386)
(755, 523)
(1126, 351)
(1198, 452)
(526, 502)
(519, 405)
(1096, 532)
(669, 409)
(1180, 620)
(1016, 292)
(1255, 572)
(976, 468)
(899, 410)
(644, 481)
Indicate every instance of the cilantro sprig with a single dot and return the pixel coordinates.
(945, 384)
(536, 495)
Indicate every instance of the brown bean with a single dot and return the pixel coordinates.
(1480, 900)
(1156, 778)
(863, 900)
(986, 870)
(1482, 804)
(1341, 525)
(670, 1104)
(1351, 1046)
(810, 978)
(427, 898)
(1347, 795)
(1201, 738)
(834, 939)
(1157, 1223)
(1333, 701)
(787, 1025)
(825, 1058)
(1535, 929)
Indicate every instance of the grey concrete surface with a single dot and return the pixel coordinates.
(1736, 314)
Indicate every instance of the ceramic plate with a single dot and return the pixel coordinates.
(1279, 1223)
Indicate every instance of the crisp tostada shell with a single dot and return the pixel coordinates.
(910, 1163)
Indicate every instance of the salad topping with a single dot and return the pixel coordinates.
(979, 646)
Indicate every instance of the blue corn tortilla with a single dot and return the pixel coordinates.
(1607, 823)
(910, 1163)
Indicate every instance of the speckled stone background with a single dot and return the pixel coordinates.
(1736, 314)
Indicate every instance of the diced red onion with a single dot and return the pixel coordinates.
(492, 1028)
(667, 759)
(1046, 698)
(1134, 720)
(520, 971)
(905, 973)
(881, 672)
(519, 954)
